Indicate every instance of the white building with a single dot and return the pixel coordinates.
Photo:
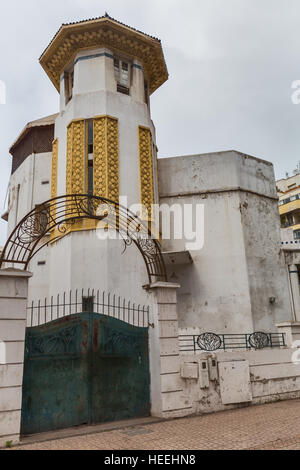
(102, 143)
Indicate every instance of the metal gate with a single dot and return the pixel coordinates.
(84, 368)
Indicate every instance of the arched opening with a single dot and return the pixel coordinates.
(57, 216)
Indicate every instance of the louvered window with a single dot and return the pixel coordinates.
(122, 75)
(69, 83)
(90, 156)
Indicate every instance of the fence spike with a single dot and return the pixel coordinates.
(139, 314)
(39, 312)
(64, 304)
(51, 307)
(32, 307)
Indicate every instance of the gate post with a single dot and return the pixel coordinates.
(167, 395)
(13, 305)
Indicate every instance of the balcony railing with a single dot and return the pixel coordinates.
(218, 342)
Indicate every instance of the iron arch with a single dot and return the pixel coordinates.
(56, 217)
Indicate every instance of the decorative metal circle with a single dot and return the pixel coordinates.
(209, 342)
(259, 340)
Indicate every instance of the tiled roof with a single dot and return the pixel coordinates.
(96, 19)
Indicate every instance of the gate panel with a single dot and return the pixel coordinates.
(84, 369)
(120, 377)
(55, 384)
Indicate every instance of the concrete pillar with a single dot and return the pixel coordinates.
(13, 304)
(291, 331)
(294, 279)
(167, 396)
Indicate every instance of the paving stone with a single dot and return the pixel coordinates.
(265, 427)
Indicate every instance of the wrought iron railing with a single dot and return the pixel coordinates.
(215, 342)
(91, 301)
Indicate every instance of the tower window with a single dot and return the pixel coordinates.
(90, 156)
(69, 83)
(146, 93)
(122, 75)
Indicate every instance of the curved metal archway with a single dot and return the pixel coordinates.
(62, 212)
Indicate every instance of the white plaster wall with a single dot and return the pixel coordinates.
(267, 273)
(82, 261)
(214, 291)
(272, 377)
(216, 171)
(30, 175)
(228, 286)
(13, 301)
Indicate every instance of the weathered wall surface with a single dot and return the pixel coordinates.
(82, 261)
(13, 301)
(33, 178)
(228, 287)
(214, 291)
(239, 379)
(267, 271)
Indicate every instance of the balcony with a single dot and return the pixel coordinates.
(289, 207)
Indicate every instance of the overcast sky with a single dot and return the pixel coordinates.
(231, 65)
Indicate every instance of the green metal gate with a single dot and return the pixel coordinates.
(86, 368)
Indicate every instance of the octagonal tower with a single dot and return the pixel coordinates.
(104, 137)
(104, 143)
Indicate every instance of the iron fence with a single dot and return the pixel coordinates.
(215, 342)
(91, 301)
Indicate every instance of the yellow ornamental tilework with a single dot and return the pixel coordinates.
(75, 165)
(75, 158)
(54, 180)
(104, 33)
(113, 159)
(100, 163)
(69, 161)
(146, 169)
(54, 169)
(106, 157)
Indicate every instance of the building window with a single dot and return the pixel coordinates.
(146, 93)
(122, 75)
(69, 83)
(287, 221)
(297, 234)
(90, 156)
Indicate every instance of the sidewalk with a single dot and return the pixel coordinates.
(272, 426)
